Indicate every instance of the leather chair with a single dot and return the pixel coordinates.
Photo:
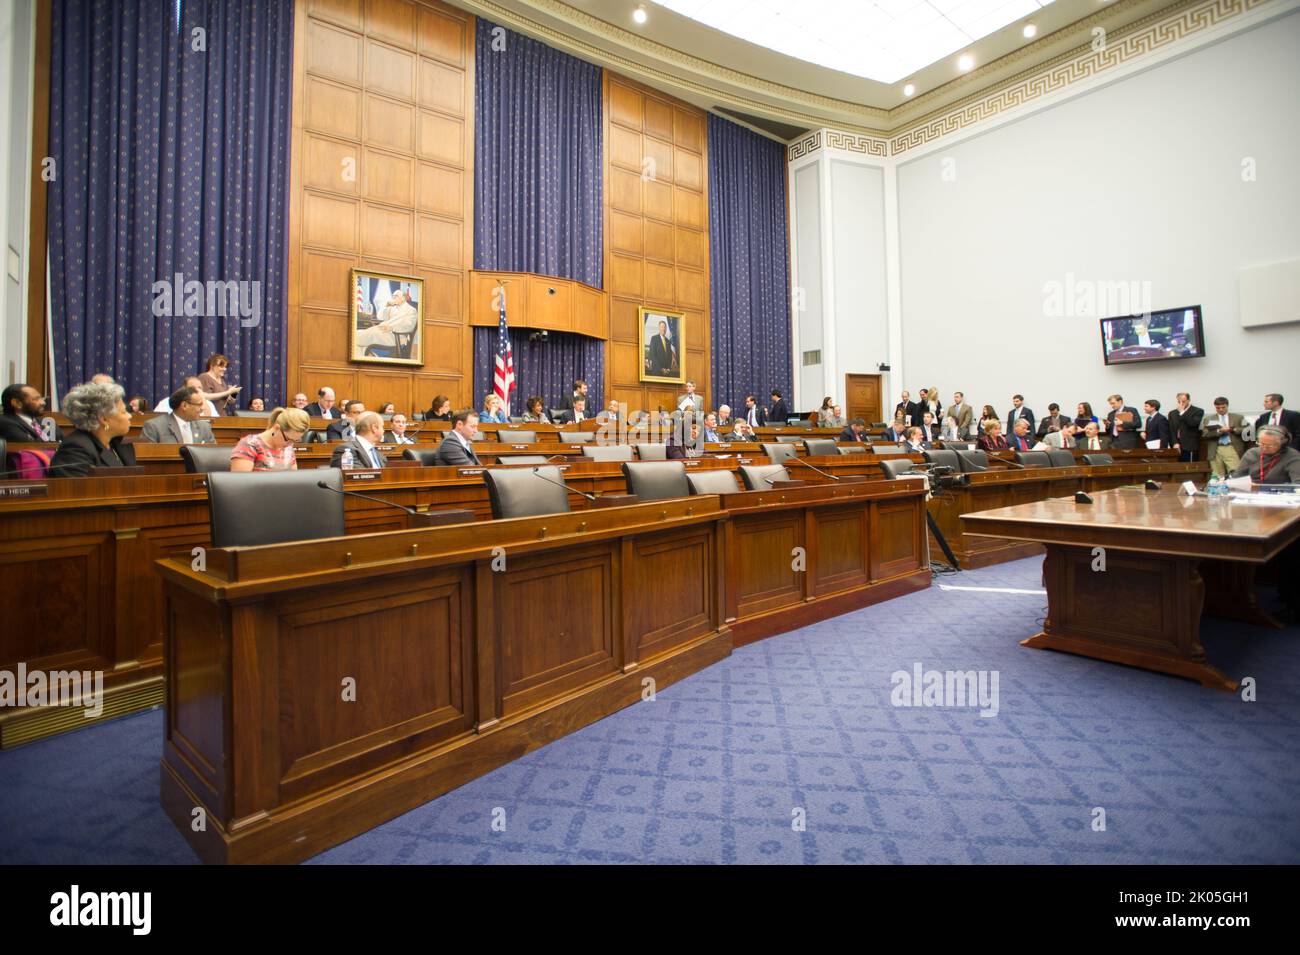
(790, 439)
(944, 458)
(1091, 459)
(759, 477)
(1061, 458)
(1034, 459)
(205, 458)
(652, 452)
(973, 461)
(607, 452)
(312, 436)
(522, 459)
(506, 436)
(781, 451)
(895, 467)
(577, 437)
(271, 507)
(656, 480)
(816, 447)
(712, 482)
(519, 492)
(845, 450)
(426, 456)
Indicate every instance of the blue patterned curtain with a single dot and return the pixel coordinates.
(547, 369)
(171, 149)
(749, 262)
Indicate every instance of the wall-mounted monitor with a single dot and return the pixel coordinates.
(1157, 336)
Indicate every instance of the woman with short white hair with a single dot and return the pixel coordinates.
(100, 419)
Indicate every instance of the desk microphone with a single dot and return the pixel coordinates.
(572, 490)
(825, 474)
(367, 497)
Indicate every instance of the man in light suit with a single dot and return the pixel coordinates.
(690, 401)
(1018, 411)
(185, 424)
(961, 412)
(1058, 440)
(1123, 432)
(398, 317)
(1221, 434)
(369, 431)
(1275, 415)
(457, 448)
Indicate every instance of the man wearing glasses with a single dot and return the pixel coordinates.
(185, 425)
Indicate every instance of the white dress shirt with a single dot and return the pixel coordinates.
(183, 426)
(370, 451)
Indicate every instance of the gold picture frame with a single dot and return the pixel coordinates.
(662, 349)
(380, 329)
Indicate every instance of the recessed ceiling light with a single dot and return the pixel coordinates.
(639, 14)
(909, 89)
(965, 62)
(1030, 31)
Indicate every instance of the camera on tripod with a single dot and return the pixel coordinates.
(943, 476)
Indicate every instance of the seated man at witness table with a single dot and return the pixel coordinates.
(1093, 439)
(856, 431)
(185, 425)
(896, 432)
(323, 406)
(21, 419)
(1020, 440)
(457, 448)
(915, 442)
(397, 431)
(991, 439)
(711, 435)
(100, 422)
(579, 409)
(1272, 460)
(345, 427)
(368, 432)
(930, 426)
(1060, 440)
(209, 409)
(741, 431)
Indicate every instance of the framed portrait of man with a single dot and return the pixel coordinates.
(387, 319)
(662, 345)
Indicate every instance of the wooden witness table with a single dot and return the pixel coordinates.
(1167, 558)
(456, 665)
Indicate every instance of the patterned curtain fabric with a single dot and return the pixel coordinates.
(171, 148)
(749, 260)
(547, 369)
(537, 159)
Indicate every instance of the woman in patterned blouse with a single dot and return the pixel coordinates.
(272, 450)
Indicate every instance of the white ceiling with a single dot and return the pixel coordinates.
(881, 40)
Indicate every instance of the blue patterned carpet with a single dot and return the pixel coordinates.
(714, 769)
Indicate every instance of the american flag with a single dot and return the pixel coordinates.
(503, 379)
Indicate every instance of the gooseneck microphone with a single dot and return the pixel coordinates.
(572, 490)
(1015, 464)
(367, 497)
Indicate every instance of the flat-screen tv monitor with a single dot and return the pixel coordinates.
(1171, 333)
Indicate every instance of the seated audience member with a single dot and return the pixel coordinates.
(724, 418)
(825, 412)
(856, 431)
(1020, 439)
(1084, 415)
(833, 420)
(1279, 417)
(1272, 460)
(323, 406)
(100, 422)
(929, 426)
(1221, 434)
(949, 430)
(20, 421)
(493, 410)
(345, 427)
(359, 451)
(138, 405)
(741, 431)
(777, 412)
(300, 401)
(1156, 427)
(396, 433)
(1060, 440)
(711, 435)
(534, 413)
(1093, 439)
(897, 432)
(387, 408)
(579, 409)
(272, 449)
(915, 442)
(613, 412)
(213, 383)
(185, 425)
(987, 415)
(683, 443)
(440, 410)
(1052, 421)
(991, 439)
(257, 404)
(209, 409)
(457, 447)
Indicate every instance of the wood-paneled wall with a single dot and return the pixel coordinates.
(381, 178)
(656, 233)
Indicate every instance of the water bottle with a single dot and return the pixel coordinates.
(347, 462)
(1215, 488)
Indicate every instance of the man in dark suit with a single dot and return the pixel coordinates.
(915, 442)
(323, 406)
(457, 448)
(20, 419)
(856, 431)
(1278, 417)
(1092, 439)
(369, 431)
(755, 415)
(1185, 424)
(1019, 439)
(346, 427)
(1157, 427)
(1052, 421)
(662, 361)
(579, 391)
(905, 405)
(778, 413)
(1123, 431)
(185, 425)
(1018, 411)
(396, 433)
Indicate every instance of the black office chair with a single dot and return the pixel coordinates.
(522, 459)
(759, 477)
(516, 437)
(656, 480)
(1091, 459)
(717, 481)
(312, 436)
(205, 458)
(577, 437)
(895, 467)
(249, 508)
(820, 446)
(652, 452)
(1061, 458)
(973, 461)
(520, 492)
(781, 451)
(428, 458)
(944, 458)
(790, 439)
(607, 452)
(1034, 459)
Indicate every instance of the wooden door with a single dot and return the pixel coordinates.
(862, 398)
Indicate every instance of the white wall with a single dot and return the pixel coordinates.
(1139, 181)
(858, 243)
(808, 321)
